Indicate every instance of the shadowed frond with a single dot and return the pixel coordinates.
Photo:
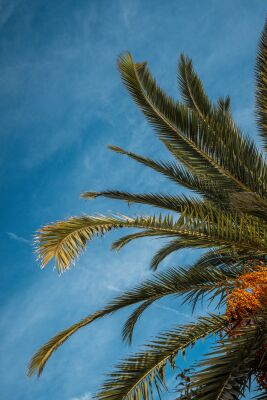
(229, 367)
(192, 88)
(193, 141)
(128, 328)
(234, 152)
(179, 174)
(171, 282)
(174, 123)
(173, 203)
(261, 86)
(224, 105)
(137, 376)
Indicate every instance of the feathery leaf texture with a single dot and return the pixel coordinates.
(226, 214)
(225, 372)
(261, 86)
(196, 283)
(199, 226)
(135, 377)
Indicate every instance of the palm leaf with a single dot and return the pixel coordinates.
(179, 174)
(171, 282)
(135, 377)
(261, 87)
(128, 328)
(168, 118)
(189, 139)
(196, 227)
(228, 368)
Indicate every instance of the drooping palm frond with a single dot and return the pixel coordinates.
(195, 283)
(137, 376)
(226, 371)
(261, 87)
(128, 328)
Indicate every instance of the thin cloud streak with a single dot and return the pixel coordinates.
(85, 396)
(21, 239)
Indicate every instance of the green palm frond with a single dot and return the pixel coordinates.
(192, 88)
(261, 87)
(190, 139)
(66, 240)
(177, 281)
(137, 376)
(40, 358)
(233, 151)
(168, 118)
(124, 240)
(128, 328)
(176, 203)
(224, 105)
(179, 174)
(193, 284)
(226, 371)
(196, 227)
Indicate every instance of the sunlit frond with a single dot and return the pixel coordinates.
(199, 226)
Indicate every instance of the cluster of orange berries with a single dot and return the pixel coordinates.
(247, 298)
(249, 295)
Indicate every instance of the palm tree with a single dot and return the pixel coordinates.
(226, 214)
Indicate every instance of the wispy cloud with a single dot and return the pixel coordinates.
(173, 310)
(85, 396)
(21, 239)
(113, 288)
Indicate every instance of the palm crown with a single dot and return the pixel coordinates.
(226, 214)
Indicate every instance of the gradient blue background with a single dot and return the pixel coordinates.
(61, 103)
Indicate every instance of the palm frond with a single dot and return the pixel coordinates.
(167, 202)
(261, 86)
(135, 377)
(177, 127)
(192, 88)
(233, 151)
(199, 225)
(226, 371)
(66, 240)
(128, 328)
(224, 105)
(176, 172)
(40, 358)
(190, 139)
(167, 249)
(174, 281)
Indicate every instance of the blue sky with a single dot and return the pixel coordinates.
(61, 103)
